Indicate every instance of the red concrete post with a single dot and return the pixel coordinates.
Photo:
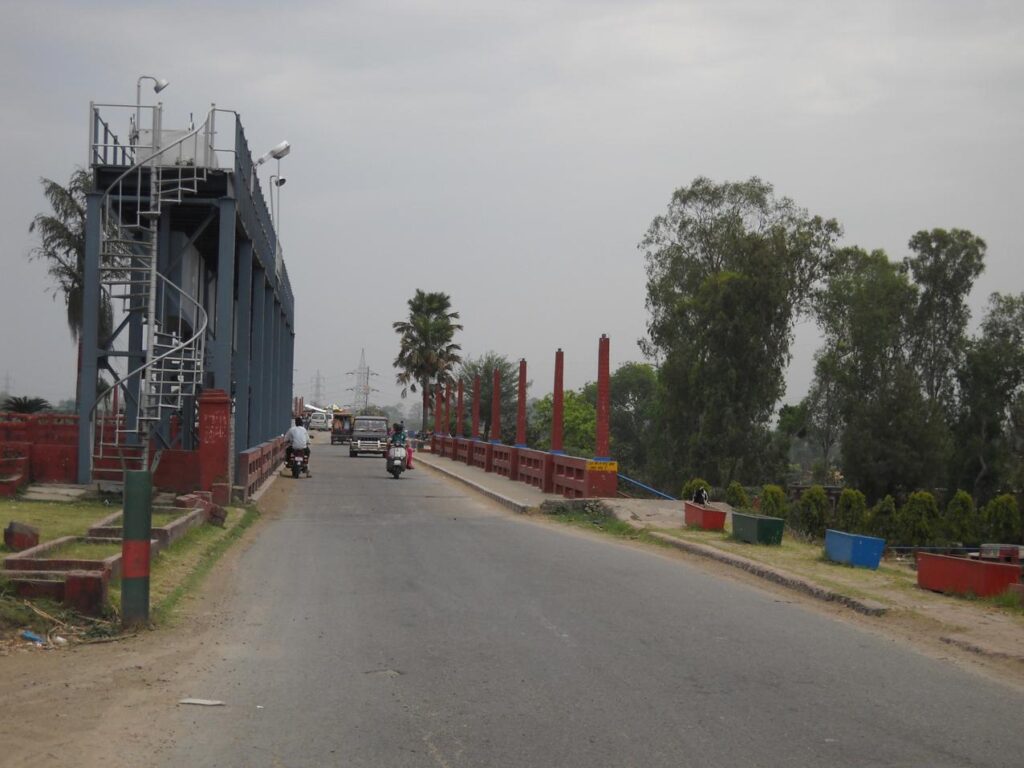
(214, 440)
(435, 440)
(557, 405)
(521, 412)
(458, 411)
(496, 407)
(601, 437)
(437, 409)
(448, 407)
(476, 408)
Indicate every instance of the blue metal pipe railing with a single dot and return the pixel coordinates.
(647, 488)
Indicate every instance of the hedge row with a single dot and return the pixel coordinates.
(918, 523)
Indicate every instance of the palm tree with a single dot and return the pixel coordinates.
(15, 404)
(62, 244)
(426, 353)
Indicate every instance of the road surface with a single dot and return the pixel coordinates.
(409, 623)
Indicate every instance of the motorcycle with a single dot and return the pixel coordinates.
(298, 463)
(396, 460)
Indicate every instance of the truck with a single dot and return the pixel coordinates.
(341, 426)
(369, 435)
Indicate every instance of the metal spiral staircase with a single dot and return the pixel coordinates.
(128, 413)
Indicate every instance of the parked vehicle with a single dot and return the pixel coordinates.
(369, 435)
(341, 427)
(396, 460)
(298, 463)
(318, 421)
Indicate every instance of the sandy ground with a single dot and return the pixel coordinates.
(93, 706)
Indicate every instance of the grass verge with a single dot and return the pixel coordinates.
(181, 568)
(53, 519)
(592, 516)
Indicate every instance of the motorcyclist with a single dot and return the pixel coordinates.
(397, 438)
(298, 440)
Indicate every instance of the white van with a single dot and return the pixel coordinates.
(318, 421)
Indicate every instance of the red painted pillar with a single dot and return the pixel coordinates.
(602, 449)
(448, 407)
(476, 408)
(435, 440)
(521, 413)
(437, 409)
(458, 411)
(496, 408)
(557, 405)
(214, 443)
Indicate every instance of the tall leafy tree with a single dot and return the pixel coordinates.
(991, 382)
(484, 367)
(579, 420)
(892, 442)
(62, 246)
(944, 266)
(634, 424)
(427, 352)
(729, 266)
(824, 411)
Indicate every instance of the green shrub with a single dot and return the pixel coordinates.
(736, 496)
(961, 523)
(773, 501)
(917, 522)
(882, 520)
(1002, 520)
(693, 485)
(811, 511)
(851, 512)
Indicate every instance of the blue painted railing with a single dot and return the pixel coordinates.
(647, 488)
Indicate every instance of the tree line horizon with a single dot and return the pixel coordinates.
(902, 398)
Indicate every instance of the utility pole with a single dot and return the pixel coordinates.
(7, 383)
(362, 388)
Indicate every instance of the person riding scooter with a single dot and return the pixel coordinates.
(396, 450)
(298, 440)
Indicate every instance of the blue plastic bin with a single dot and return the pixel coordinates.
(853, 549)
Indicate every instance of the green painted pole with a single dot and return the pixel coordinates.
(137, 519)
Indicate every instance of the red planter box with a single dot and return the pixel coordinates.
(961, 576)
(706, 518)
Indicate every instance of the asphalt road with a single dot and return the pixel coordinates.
(409, 623)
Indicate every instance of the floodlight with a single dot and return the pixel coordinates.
(277, 152)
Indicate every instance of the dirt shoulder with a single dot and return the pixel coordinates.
(95, 705)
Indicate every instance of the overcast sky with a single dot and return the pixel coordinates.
(512, 154)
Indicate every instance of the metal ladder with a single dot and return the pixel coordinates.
(128, 412)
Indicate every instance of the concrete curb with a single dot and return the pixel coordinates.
(867, 607)
(515, 506)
